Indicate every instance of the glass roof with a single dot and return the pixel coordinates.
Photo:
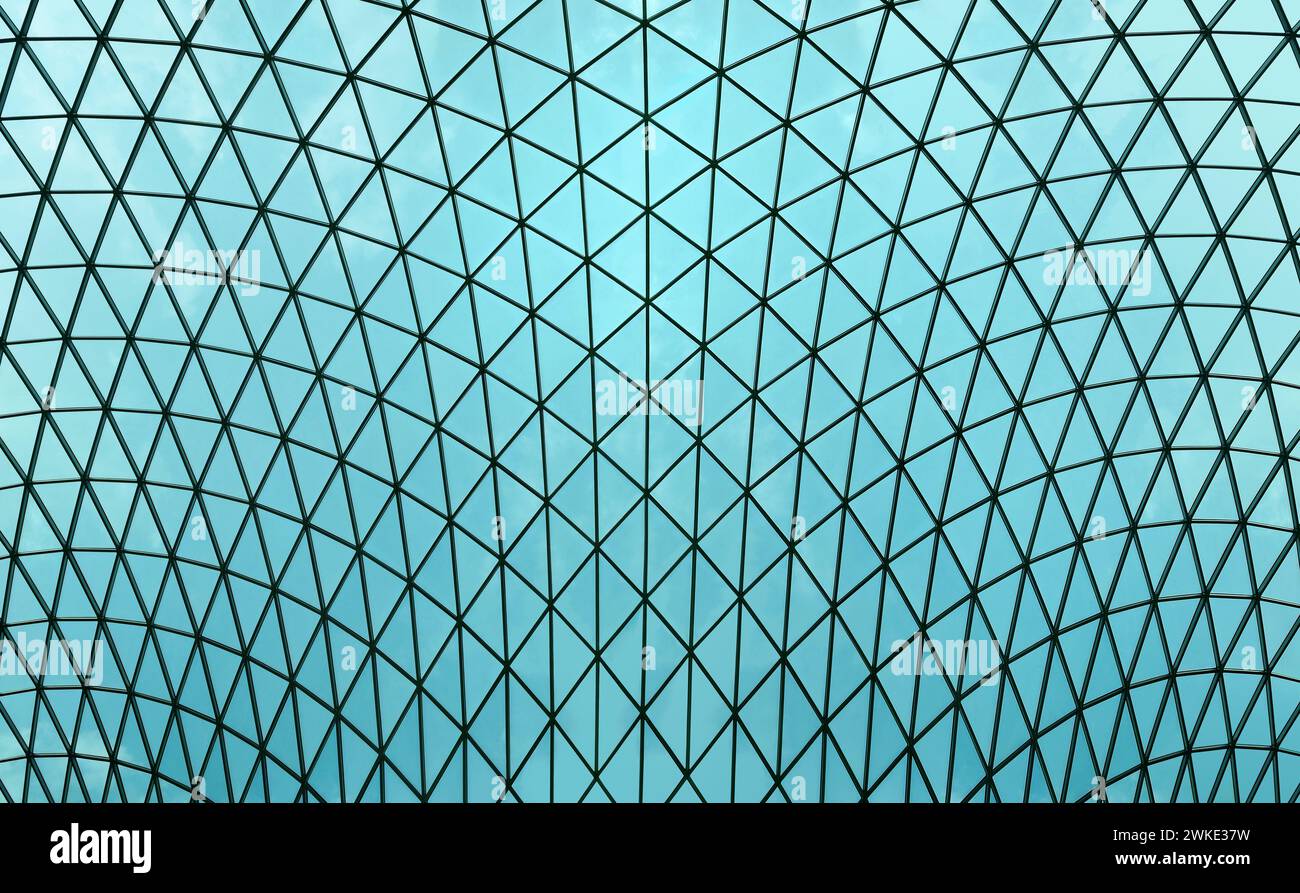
(646, 400)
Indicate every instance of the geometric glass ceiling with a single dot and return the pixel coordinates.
(647, 400)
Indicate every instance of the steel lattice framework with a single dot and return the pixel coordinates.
(988, 307)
